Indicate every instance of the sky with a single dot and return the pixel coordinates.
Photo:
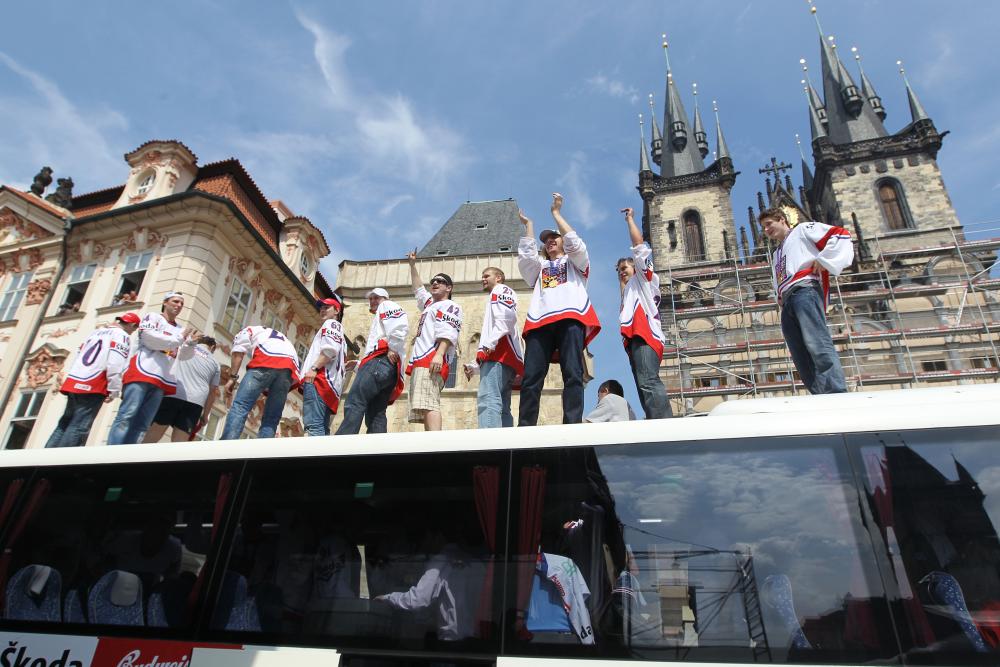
(389, 115)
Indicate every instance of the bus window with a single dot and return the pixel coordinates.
(400, 549)
(111, 545)
(935, 497)
(724, 551)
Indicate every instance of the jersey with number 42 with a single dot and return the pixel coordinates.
(269, 348)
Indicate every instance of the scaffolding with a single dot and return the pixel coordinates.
(915, 308)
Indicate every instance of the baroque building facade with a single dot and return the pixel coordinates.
(204, 231)
(919, 305)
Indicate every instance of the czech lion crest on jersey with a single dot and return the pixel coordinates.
(554, 274)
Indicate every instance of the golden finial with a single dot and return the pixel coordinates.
(715, 106)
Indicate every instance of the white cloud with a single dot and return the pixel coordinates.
(601, 83)
(580, 207)
(391, 205)
(43, 127)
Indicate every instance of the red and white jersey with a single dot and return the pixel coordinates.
(99, 365)
(559, 285)
(388, 332)
(807, 243)
(640, 311)
(156, 348)
(438, 320)
(499, 334)
(328, 341)
(270, 349)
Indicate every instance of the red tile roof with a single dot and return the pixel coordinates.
(37, 201)
(226, 185)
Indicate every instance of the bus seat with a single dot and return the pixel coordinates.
(116, 599)
(777, 595)
(73, 607)
(232, 610)
(167, 603)
(33, 594)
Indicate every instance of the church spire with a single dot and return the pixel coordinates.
(816, 126)
(643, 156)
(867, 89)
(850, 117)
(657, 139)
(811, 93)
(916, 108)
(721, 149)
(680, 154)
(807, 177)
(700, 137)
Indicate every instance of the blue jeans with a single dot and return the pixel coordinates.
(567, 337)
(315, 413)
(369, 397)
(803, 324)
(74, 426)
(276, 382)
(493, 400)
(645, 365)
(140, 401)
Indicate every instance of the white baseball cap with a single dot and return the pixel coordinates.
(378, 291)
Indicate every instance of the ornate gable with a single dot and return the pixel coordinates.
(14, 229)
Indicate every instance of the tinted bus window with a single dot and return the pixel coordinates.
(387, 552)
(117, 545)
(748, 551)
(935, 497)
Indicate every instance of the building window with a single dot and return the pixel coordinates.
(934, 366)
(694, 243)
(482, 226)
(79, 281)
(442, 252)
(272, 320)
(11, 298)
(305, 265)
(302, 350)
(893, 203)
(237, 306)
(28, 407)
(505, 248)
(134, 273)
(146, 183)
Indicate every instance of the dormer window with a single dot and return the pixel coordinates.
(145, 183)
(305, 265)
(442, 252)
(482, 226)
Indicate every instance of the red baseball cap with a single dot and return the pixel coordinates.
(334, 301)
(128, 318)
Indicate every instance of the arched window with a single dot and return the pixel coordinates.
(694, 244)
(893, 203)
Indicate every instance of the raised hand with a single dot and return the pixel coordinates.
(525, 220)
(557, 202)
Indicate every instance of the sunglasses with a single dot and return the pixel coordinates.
(438, 281)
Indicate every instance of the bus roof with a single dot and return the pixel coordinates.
(906, 409)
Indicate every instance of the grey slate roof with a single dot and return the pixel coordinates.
(465, 234)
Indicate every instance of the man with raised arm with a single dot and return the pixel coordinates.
(150, 374)
(806, 256)
(379, 378)
(94, 378)
(499, 359)
(640, 322)
(433, 354)
(273, 368)
(561, 317)
(324, 369)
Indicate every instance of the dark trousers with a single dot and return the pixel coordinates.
(74, 426)
(645, 365)
(803, 324)
(539, 344)
(369, 397)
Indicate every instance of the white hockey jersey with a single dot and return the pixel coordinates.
(807, 243)
(269, 348)
(438, 320)
(559, 286)
(573, 590)
(499, 334)
(388, 332)
(329, 341)
(99, 364)
(640, 307)
(156, 347)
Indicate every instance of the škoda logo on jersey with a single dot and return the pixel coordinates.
(505, 298)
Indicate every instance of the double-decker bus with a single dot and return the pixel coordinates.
(849, 529)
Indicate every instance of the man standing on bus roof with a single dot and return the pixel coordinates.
(639, 318)
(94, 378)
(378, 381)
(433, 354)
(324, 368)
(561, 317)
(149, 376)
(499, 359)
(273, 368)
(806, 256)
(187, 411)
